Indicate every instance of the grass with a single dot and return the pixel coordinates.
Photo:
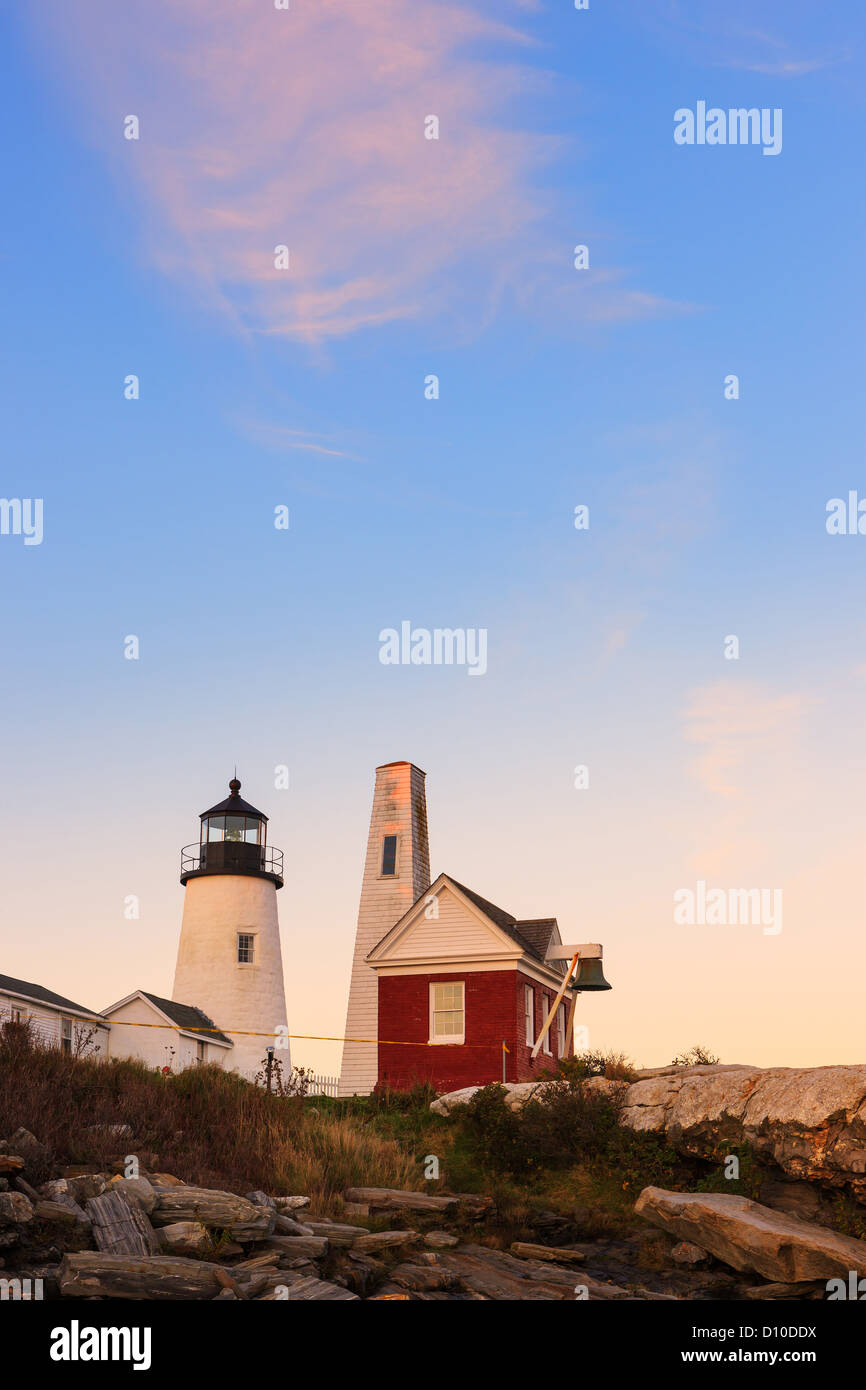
(204, 1125)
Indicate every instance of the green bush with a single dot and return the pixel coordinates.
(564, 1124)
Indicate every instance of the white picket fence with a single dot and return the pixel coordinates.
(322, 1085)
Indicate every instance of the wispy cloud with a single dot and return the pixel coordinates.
(306, 128)
(274, 436)
(738, 727)
(757, 36)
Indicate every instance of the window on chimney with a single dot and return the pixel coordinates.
(389, 856)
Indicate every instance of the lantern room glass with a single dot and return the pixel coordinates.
(238, 829)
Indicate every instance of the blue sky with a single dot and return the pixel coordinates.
(260, 647)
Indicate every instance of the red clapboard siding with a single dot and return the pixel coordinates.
(494, 1012)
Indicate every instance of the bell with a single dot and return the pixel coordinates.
(590, 976)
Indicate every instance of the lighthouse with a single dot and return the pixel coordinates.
(229, 962)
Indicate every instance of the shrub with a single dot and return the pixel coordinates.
(615, 1066)
(695, 1057)
(564, 1124)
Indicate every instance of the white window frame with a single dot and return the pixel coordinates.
(529, 1015)
(450, 1038)
(247, 936)
(545, 1009)
(201, 1051)
(561, 1025)
(64, 1023)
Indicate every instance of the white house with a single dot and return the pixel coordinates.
(56, 1022)
(164, 1033)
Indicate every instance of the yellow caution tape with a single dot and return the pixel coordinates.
(245, 1033)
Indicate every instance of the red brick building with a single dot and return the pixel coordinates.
(458, 977)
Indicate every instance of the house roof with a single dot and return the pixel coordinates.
(188, 1017)
(533, 936)
(38, 993)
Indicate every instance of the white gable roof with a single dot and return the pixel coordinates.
(445, 927)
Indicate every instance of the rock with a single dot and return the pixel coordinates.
(85, 1185)
(374, 1241)
(11, 1163)
(217, 1210)
(810, 1122)
(260, 1199)
(139, 1191)
(15, 1209)
(120, 1227)
(804, 1199)
(60, 1212)
(362, 1273)
(440, 1240)
(307, 1289)
(310, 1247)
(142, 1277)
(419, 1279)
(443, 1105)
(336, 1234)
(57, 1194)
(493, 1274)
(746, 1235)
(291, 1203)
(28, 1146)
(392, 1199)
(792, 1291)
(184, 1238)
(263, 1260)
(285, 1226)
(688, 1255)
(54, 1190)
(524, 1251)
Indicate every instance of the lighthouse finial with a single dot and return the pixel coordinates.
(234, 784)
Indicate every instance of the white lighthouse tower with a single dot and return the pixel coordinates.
(229, 962)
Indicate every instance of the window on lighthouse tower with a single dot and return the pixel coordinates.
(246, 948)
(389, 856)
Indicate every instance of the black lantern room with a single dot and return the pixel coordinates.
(233, 840)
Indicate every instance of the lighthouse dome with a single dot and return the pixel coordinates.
(233, 840)
(234, 805)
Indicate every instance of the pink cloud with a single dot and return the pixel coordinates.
(305, 128)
